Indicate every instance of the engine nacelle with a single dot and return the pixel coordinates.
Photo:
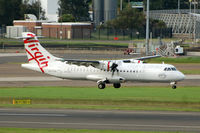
(136, 61)
(116, 80)
(105, 65)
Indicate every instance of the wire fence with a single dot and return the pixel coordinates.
(2, 32)
(89, 33)
(103, 33)
(127, 34)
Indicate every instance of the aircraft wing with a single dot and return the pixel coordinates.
(97, 63)
(148, 57)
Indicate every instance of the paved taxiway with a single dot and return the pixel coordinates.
(113, 120)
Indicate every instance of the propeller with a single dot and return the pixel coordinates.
(114, 68)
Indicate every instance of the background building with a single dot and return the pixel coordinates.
(51, 9)
(104, 10)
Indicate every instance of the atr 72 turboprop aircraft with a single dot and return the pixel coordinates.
(103, 72)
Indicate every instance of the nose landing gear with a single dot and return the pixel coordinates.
(173, 84)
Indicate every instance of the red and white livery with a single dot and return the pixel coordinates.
(103, 72)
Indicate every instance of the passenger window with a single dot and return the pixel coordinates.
(165, 69)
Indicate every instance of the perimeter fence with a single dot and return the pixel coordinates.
(90, 34)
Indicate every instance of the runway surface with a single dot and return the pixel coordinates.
(12, 75)
(112, 120)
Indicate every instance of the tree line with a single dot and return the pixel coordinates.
(74, 10)
(15, 9)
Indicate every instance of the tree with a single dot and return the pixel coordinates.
(9, 10)
(15, 9)
(66, 18)
(131, 18)
(32, 8)
(77, 8)
(167, 4)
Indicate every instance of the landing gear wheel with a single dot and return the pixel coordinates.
(174, 87)
(101, 85)
(116, 85)
(173, 84)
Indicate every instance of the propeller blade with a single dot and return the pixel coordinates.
(114, 68)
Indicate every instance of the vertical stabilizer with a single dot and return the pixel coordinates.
(35, 52)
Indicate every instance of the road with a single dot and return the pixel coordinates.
(112, 120)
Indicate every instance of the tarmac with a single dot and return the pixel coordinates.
(99, 119)
(12, 75)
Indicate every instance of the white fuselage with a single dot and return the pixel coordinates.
(126, 71)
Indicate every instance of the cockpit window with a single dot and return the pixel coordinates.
(170, 69)
(173, 69)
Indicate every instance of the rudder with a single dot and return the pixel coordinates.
(35, 52)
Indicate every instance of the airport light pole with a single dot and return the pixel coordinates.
(147, 29)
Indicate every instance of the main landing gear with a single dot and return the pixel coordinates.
(173, 84)
(116, 85)
(102, 85)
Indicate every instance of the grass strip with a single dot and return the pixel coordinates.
(127, 98)
(68, 42)
(28, 130)
(175, 60)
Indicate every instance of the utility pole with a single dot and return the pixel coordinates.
(38, 9)
(121, 5)
(195, 3)
(61, 30)
(179, 7)
(190, 18)
(147, 29)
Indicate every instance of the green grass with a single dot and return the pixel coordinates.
(127, 98)
(85, 43)
(22, 130)
(156, 94)
(175, 60)
(68, 42)
(193, 72)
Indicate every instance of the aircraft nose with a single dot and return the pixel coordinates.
(181, 76)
